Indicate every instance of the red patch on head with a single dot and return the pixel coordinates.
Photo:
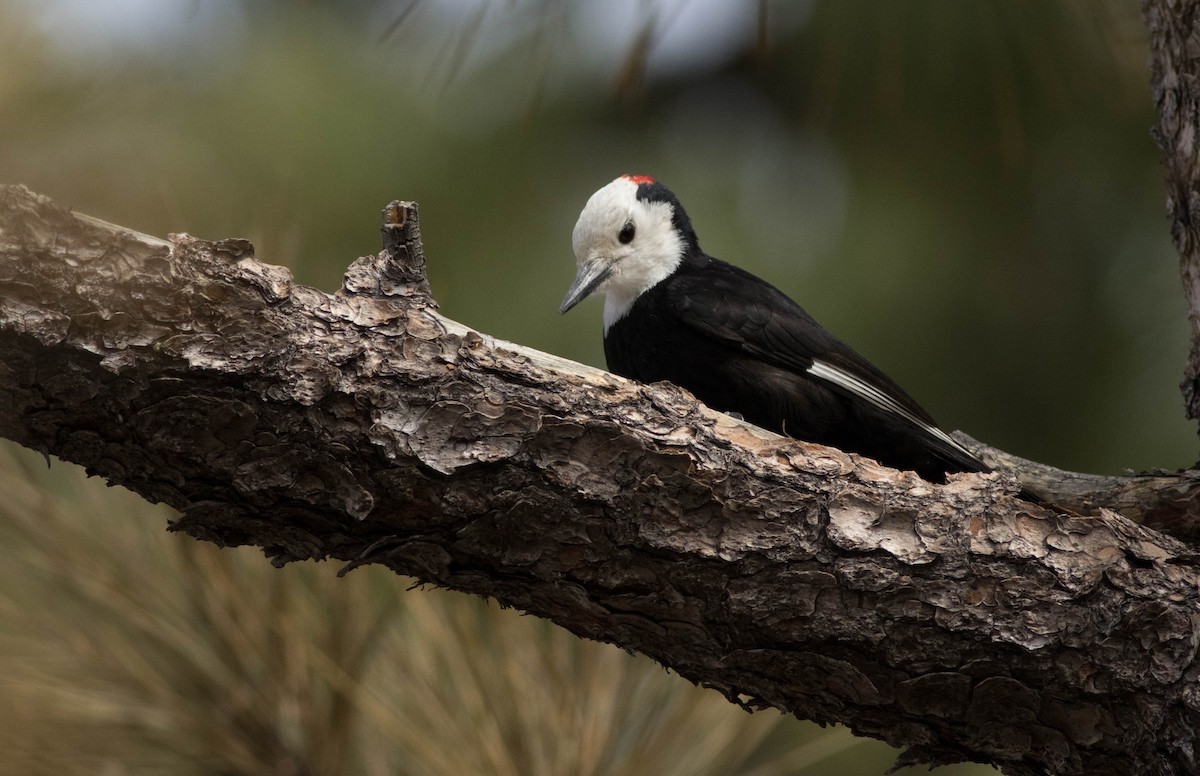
(639, 179)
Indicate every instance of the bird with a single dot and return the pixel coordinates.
(738, 344)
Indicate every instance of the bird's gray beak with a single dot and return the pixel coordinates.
(590, 276)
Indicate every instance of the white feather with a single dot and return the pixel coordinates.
(865, 390)
(651, 257)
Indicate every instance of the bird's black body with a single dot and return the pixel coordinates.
(742, 346)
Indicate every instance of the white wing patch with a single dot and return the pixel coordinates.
(865, 390)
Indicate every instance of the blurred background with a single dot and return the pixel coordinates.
(968, 193)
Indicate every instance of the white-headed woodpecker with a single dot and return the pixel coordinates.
(672, 312)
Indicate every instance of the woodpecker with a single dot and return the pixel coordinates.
(741, 346)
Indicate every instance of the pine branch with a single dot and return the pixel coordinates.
(958, 621)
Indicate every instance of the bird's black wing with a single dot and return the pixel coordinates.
(727, 304)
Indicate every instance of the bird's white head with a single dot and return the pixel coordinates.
(631, 235)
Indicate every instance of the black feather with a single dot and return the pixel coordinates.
(742, 346)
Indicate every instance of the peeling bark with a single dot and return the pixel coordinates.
(1166, 501)
(957, 621)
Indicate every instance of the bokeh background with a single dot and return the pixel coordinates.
(967, 192)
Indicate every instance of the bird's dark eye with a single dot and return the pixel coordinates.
(627, 231)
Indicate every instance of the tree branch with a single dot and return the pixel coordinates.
(1174, 27)
(1165, 501)
(956, 620)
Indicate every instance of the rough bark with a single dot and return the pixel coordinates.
(1174, 27)
(1165, 501)
(958, 621)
